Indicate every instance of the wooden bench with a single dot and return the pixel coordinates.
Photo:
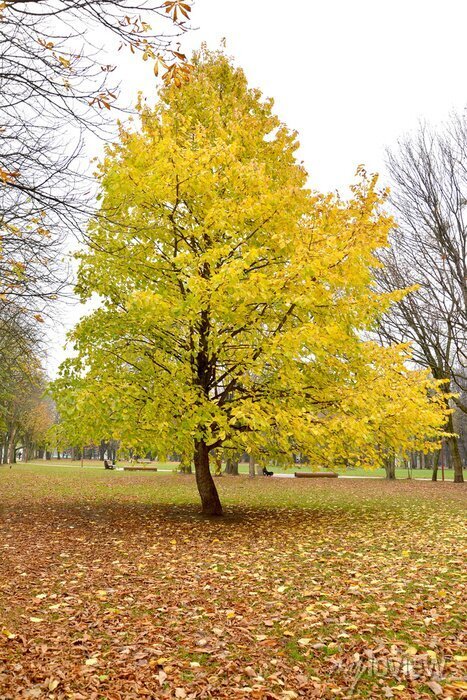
(140, 469)
(316, 475)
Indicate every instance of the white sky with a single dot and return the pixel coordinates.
(350, 76)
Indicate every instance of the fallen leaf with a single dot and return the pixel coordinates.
(435, 687)
(304, 641)
(92, 661)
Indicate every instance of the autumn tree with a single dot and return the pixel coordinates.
(36, 422)
(25, 414)
(428, 252)
(234, 313)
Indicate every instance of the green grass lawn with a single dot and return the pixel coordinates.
(243, 469)
(113, 586)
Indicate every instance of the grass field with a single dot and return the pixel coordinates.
(243, 468)
(113, 587)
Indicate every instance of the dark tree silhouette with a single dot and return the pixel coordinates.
(429, 251)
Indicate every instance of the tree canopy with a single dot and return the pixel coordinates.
(235, 301)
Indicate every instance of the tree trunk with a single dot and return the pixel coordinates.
(185, 463)
(11, 447)
(27, 454)
(456, 460)
(390, 466)
(5, 449)
(251, 466)
(103, 448)
(231, 465)
(210, 501)
(434, 474)
(455, 454)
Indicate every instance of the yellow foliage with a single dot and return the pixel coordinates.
(236, 302)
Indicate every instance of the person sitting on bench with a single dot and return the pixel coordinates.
(266, 473)
(108, 465)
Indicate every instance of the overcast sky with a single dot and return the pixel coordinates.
(350, 77)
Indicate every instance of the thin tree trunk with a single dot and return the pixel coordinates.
(5, 450)
(456, 460)
(210, 501)
(455, 454)
(251, 466)
(434, 473)
(103, 448)
(185, 463)
(11, 447)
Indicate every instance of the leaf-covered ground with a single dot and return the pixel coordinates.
(112, 586)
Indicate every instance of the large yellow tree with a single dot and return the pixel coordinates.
(234, 300)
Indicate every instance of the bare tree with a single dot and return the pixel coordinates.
(428, 252)
(56, 84)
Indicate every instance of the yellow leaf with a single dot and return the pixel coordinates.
(8, 634)
(36, 619)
